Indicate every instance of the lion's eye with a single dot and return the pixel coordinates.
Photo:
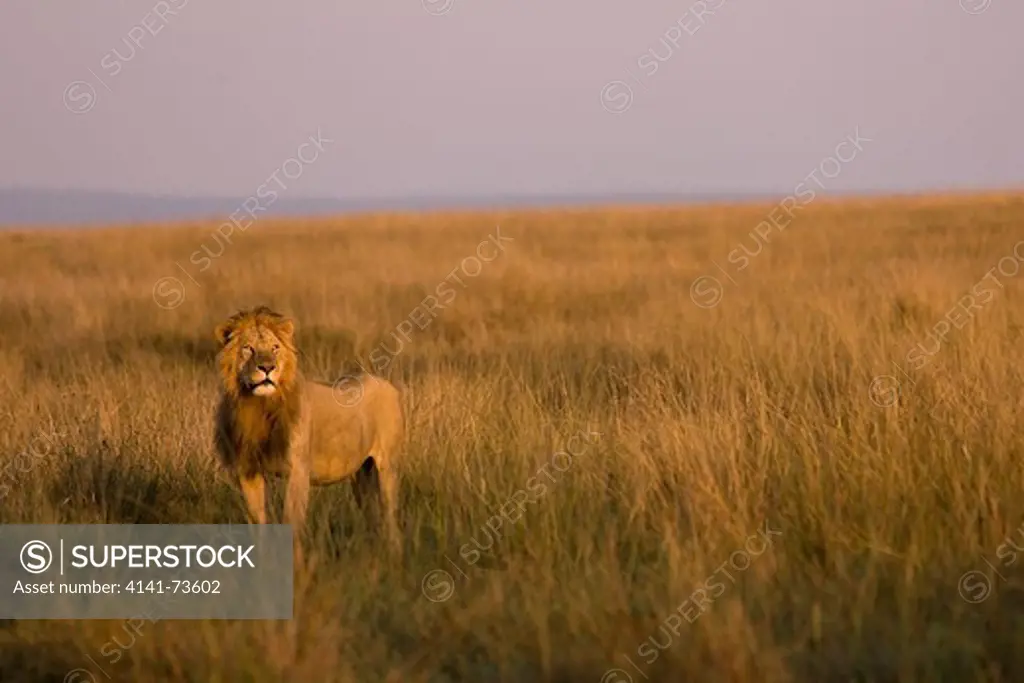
(247, 350)
(276, 347)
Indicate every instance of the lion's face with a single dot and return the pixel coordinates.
(257, 358)
(259, 361)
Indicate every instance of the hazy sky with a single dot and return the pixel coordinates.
(461, 97)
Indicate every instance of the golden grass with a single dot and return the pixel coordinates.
(713, 424)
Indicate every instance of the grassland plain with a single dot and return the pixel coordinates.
(605, 481)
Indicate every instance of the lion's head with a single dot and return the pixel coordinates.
(257, 356)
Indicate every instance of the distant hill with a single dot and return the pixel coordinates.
(36, 207)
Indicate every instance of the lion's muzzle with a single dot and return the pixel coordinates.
(263, 379)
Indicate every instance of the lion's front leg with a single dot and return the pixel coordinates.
(253, 488)
(295, 501)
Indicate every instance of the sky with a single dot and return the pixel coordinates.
(488, 97)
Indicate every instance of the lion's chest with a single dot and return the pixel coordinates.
(262, 441)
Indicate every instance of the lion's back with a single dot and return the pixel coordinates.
(355, 417)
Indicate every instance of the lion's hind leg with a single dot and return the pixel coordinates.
(388, 450)
(376, 487)
(389, 499)
(366, 486)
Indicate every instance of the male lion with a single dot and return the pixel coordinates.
(271, 421)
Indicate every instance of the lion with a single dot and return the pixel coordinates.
(271, 421)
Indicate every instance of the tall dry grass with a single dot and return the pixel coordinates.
(641, 556)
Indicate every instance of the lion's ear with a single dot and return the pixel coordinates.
(285, 328)
(223, 333)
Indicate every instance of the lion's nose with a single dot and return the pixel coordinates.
(266, 367)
